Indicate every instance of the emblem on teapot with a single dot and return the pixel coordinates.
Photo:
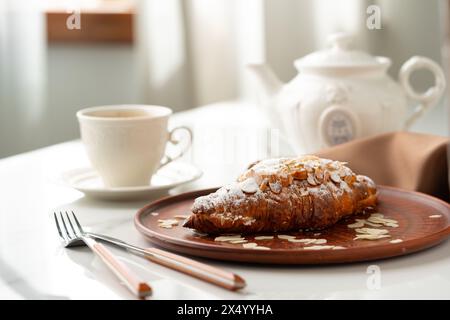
(341, 94)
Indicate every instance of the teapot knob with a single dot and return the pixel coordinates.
(340, 41)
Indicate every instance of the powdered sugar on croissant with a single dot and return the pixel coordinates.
(284, 194)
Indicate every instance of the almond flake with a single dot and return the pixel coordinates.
(261, 248)
(311, 180)
(338, 248)
(318, 247)
(306, 241)
(392, 225)
(435, 216)
(381, 220)
(275, 187)
(238, 241)
(249, 185)
(250, 245)
(372, 231)
(264, 238)
(371, 224)
(371, 236)
(166, 226)
(263, 185)
(319, 174)
(300, 175)
(154, 214)
(308, 165)
(309, 241)
(285, 236)
(349, 179)
(335, 177)
(378, 218)
(334, 165)
(168, 221)
(396, 241)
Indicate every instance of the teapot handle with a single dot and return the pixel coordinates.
(425, 99)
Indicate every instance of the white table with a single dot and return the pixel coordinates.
(34, 265)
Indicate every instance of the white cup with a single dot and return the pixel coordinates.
(126, 143)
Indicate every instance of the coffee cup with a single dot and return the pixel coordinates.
(126, 143)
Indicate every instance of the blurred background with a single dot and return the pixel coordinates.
(183, 54)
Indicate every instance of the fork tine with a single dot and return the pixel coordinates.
(64, 225)
(71, 225)
(58, 227)
(77, 222)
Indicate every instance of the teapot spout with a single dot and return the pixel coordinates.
(269, 83)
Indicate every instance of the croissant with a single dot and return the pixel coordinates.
(285, 194)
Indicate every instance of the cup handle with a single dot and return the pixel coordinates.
(428, 98)
(168, 159)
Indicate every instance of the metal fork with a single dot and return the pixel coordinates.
(72, 235)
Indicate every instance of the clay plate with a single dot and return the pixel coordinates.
(412, 210)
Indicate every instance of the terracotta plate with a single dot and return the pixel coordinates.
(412, 210)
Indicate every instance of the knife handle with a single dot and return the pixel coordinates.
(225, 279)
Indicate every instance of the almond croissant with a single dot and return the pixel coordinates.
(282, 195)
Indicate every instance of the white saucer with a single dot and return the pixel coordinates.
(172, 175)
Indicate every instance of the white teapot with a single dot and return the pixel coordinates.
(342, 94)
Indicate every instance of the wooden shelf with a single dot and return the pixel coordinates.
(101, 22)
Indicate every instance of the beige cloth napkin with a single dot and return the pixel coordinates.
(411, 161)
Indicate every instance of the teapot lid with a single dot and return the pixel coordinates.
(339, 55)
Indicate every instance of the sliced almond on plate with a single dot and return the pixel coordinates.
(285, 236)
(371, 224)
(238, 241)
(372, 231)
(264, 238)
(168, 221)
(318, 247)
(228, 238)
(371, 236)
(166, 226)
(181, 216)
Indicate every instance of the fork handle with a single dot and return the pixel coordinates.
(227, 280)
(133, 283)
